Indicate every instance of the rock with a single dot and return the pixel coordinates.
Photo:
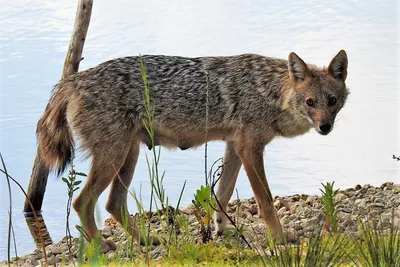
(396, 189)
(236, 202)
(282, 211)
(253, 209)
(312, 222)
(58, 249)
(349, 190)
(111, 255)
(192, 219)
(278, 204)
(311, 199)
(357, 187)
(360, 202)
(304, 197)
(295, 198)
(53, 260)
(106, 232)
(301, 213)
(371, 190)
(246, 214)
(340, 197)
(386, 184)
(375, 206)
(156, 252)
(362, 191)
(297, 226)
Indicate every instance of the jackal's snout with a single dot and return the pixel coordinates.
(324, 128)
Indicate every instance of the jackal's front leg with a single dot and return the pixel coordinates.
(226, 184)
(251, 155)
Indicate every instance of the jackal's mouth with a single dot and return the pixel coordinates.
(321, 132)
(324, 129)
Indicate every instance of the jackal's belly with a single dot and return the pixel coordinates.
(183, 139)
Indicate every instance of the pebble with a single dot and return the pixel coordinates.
(301, 213)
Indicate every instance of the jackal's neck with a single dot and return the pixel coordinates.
(287, 93)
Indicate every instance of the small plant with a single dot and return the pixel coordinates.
(376, 248)
(329, 204)
(191, 254)
(204, 204)
(93, 253)
(158, 197)
(72, 185)
(319, 250)
(10, 225)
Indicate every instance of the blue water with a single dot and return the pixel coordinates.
(34, 36)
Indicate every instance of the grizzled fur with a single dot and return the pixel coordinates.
(251, 100)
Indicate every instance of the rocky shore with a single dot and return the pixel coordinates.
(301, 214)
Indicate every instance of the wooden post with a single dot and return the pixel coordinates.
(74, 54)
(40, 173)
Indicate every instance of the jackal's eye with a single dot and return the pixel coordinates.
(310, 102)
(332, 100)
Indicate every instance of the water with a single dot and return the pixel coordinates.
(35, 34)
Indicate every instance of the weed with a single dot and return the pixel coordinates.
(329, 205)
(375, 248)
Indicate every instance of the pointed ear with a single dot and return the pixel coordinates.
(338, 66)
(298, 70)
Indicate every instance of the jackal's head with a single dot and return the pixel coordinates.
(319, 93)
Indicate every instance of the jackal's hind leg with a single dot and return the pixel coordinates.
(100, 176)
(117, 200)
(230, 171)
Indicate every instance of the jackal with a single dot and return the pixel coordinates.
(250, 99)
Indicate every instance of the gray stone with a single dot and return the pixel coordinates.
(253, 209)
(53, 260)
(340, 197)
(58, 249)
(311, 222)
(106, 232)
(282, 211)
(301, 214)
(375, 206)
(357, 187)
(156, 252)
(360, 202)
(278, 204)
(295, 198)
(362, 191)
(111, 255)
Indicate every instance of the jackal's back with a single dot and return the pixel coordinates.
(240, 90)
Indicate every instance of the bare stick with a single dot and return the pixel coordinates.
(74, 54)
(40, 171)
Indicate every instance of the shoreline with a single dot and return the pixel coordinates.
(299, 213)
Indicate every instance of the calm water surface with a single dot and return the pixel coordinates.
(34, 36)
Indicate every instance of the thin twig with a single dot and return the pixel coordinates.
(214, 182)
(206, 133)
(15, 243)
(9, 212)
(33, 211)
(71, 190)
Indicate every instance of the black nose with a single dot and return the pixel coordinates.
(325, 128)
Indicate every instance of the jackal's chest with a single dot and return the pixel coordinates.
(290, 126)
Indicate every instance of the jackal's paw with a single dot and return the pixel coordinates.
(154, 240)
(107, 245)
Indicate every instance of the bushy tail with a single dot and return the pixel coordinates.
(53, 133)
